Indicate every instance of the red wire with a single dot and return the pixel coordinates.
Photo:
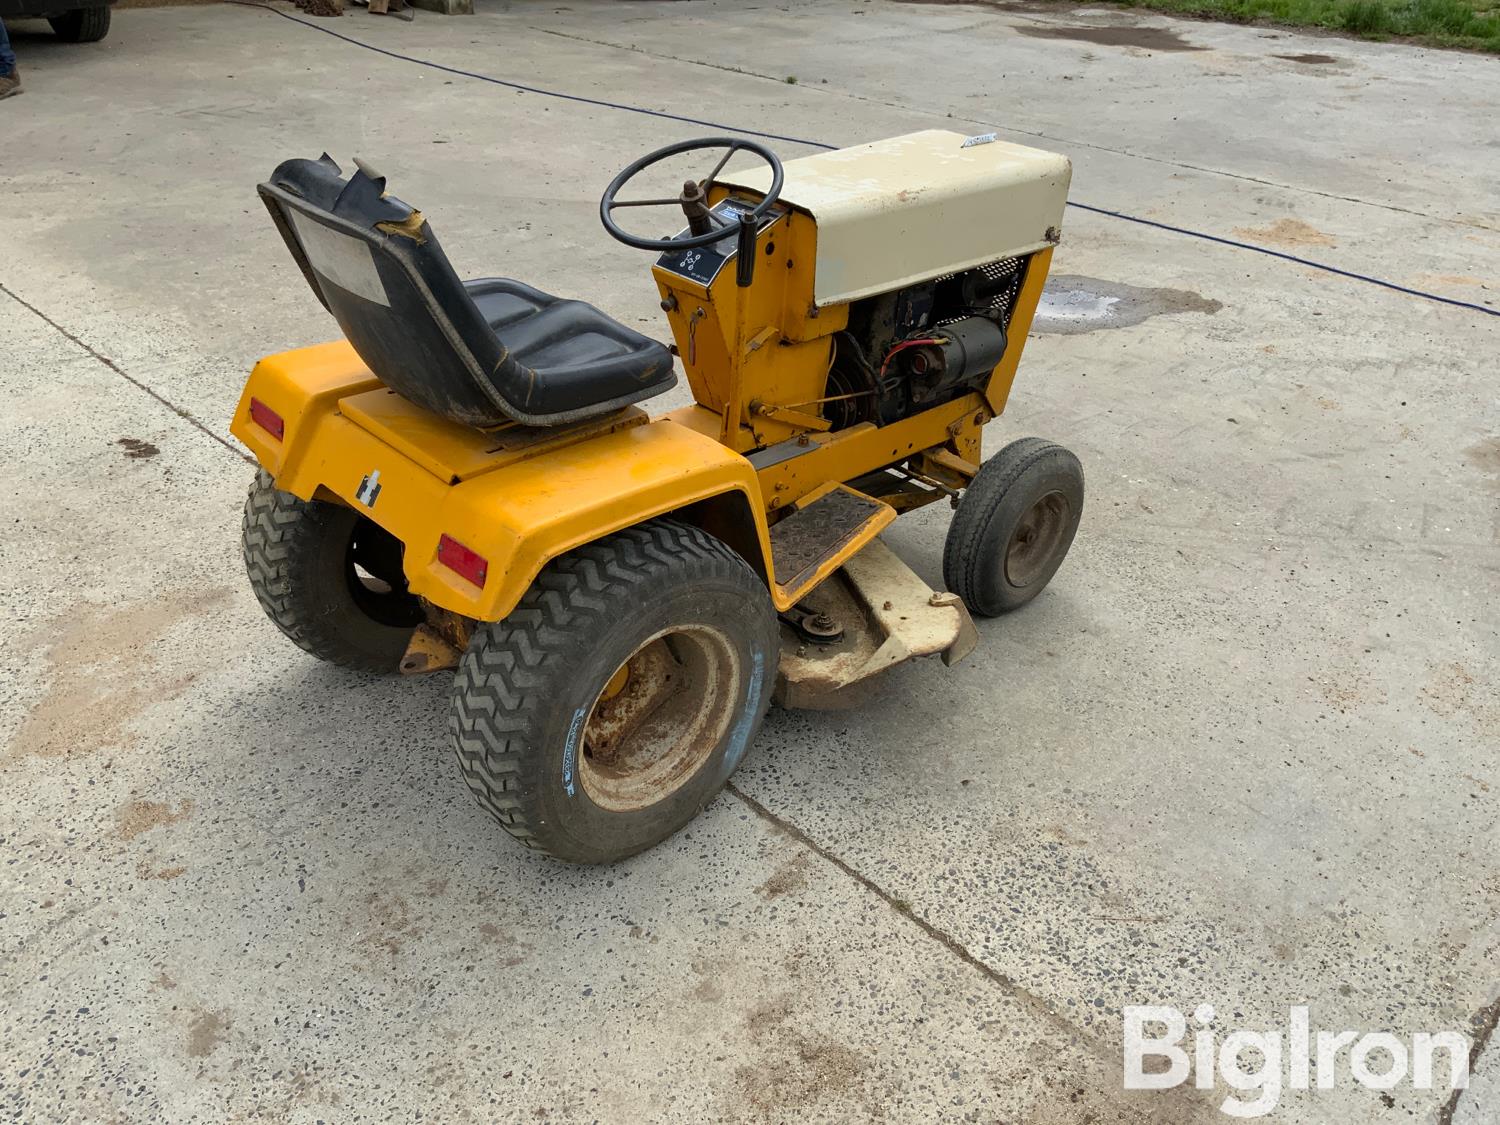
(902, 347)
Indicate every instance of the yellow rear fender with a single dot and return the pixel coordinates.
(515, 506)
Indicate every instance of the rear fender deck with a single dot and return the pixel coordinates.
(520, 496)
(517, 497)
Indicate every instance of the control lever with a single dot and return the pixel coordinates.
(694, 203)
(745, 267)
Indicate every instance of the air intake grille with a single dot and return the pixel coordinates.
(1001, 280)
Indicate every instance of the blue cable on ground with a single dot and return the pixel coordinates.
(1391, 285)
(1288, 258)
(522, 86)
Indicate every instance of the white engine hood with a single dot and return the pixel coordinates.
(912, 208)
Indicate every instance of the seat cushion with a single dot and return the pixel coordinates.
(580, 356)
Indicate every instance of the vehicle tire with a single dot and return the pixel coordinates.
(615, 700)
(82, 25)
(330, 579)
(1013, 527)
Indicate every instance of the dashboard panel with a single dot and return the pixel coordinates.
(703, 263)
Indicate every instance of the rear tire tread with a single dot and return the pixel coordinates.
(495, 696)
(282, 538)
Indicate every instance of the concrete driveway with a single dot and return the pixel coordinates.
(1244, 751)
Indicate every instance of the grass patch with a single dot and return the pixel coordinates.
(1473, 24)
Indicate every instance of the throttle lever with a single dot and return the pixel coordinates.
(745, 267)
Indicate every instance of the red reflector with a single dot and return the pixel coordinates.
(462, 561)
(267, 419)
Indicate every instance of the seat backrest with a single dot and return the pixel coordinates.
(375, 265)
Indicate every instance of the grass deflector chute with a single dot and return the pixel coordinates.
(468, 479)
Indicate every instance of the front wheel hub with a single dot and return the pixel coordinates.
(1036, 539)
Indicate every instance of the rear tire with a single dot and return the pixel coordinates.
(328, 578)
(82, 25)
(615, 700)
(1013, 527)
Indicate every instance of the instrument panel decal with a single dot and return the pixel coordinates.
(703, 263)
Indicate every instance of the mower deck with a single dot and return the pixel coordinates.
(884, 615)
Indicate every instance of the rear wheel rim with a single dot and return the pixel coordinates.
(1038, 535)
(659, 717)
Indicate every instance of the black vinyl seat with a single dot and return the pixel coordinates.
(565, 341)
(479, 352)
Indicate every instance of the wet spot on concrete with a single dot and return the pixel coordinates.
(388, 924)
(797, 1068)
(1287, 232)
(1308, 59)
(1064, 837)
(1071, 304)
(144, 870)
(1344, 691)
(1118, 34)
(205, 1033)
(790, 877)
(709, 989)
(1447, 689)
(1146, 38)
(136, 817)
(1485, 455)
(136, 449)
(1450, 281)
(512, 952)
(102, 673)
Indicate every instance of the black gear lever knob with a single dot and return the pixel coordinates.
(745, 267)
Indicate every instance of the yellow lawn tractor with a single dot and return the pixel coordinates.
(466, 480)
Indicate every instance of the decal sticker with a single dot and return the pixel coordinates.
(369, 489)
(570, 751)
(340, 258)
(981, 139)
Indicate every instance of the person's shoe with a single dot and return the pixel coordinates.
(10, 84)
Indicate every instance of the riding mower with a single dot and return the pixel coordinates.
(466, 480)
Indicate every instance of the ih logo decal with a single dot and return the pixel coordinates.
(369, 489)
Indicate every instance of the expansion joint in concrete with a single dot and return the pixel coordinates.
(185, 415)
(1027, 999)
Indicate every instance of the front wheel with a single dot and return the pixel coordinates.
(615, 700)
(82, 25)
(1013, 527)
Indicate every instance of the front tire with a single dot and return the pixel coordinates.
(328, 578)
(615, 700)
(82, 25)
(1013, 527)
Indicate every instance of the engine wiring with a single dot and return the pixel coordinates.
(939, 341)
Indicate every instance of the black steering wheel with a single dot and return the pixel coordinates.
(692, 197)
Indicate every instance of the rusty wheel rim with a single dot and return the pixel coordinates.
(1034, 543)
(658, 718)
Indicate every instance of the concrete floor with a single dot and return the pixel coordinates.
(1245, 750)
